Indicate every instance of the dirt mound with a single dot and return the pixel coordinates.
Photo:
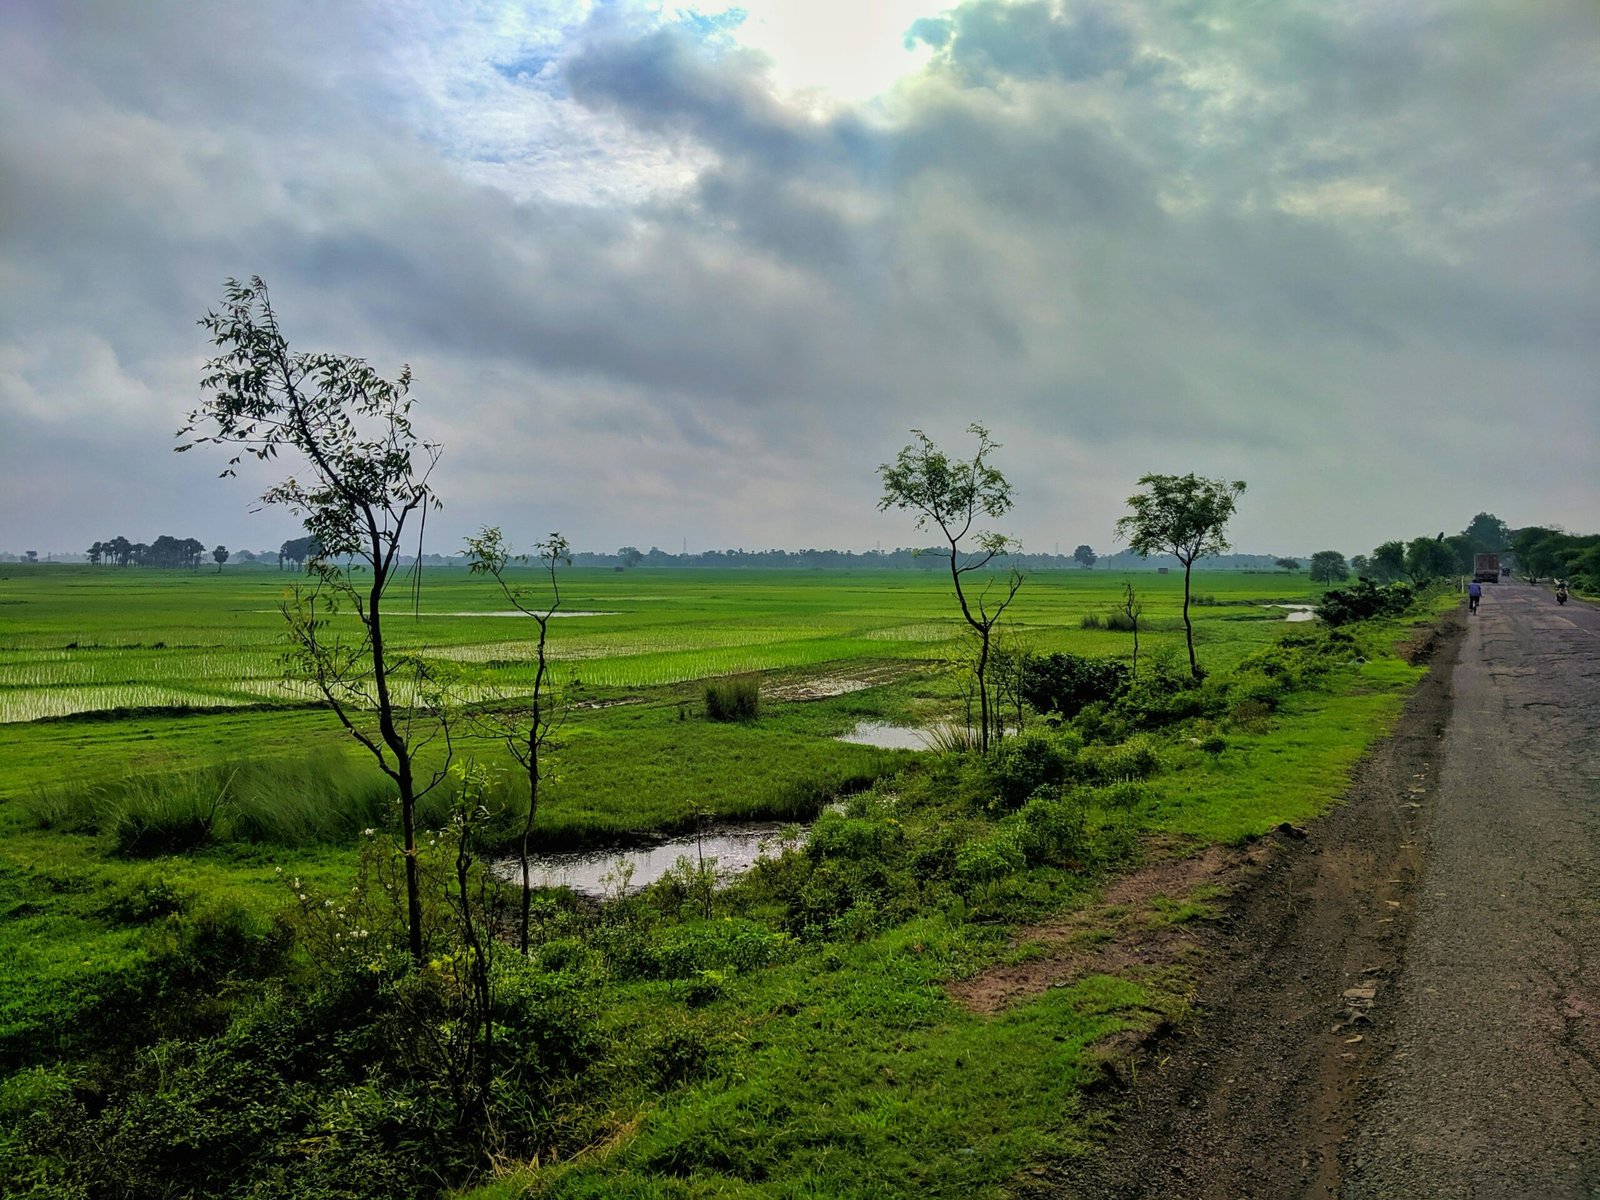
(1143, 934)
(1422, 644)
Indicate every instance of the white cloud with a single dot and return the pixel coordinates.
(662, 275)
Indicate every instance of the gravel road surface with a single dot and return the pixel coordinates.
(1492, 1088)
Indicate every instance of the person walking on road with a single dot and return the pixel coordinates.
(1474, 594)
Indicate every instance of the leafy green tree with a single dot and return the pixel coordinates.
(365, 474)
(630, 556)
(1488, 533)
(1389, 561)
(299, 551)
(489, 554)
(1429, 558)
(1465, 551)
(951, 495)
(220, 556)
(1287, 564)
(1359, 564)
(95, 553)
(1187, 517)
(1329, 566)
(1085, 556)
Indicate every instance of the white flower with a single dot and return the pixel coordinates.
(369, 833)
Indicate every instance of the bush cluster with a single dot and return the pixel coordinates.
(736, 698)
(1064, 683)
(1362, 601)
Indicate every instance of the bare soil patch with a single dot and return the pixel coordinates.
(822, 687)
(1126, 932)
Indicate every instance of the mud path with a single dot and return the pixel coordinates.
(1257, 1092)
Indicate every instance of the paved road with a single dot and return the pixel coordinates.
(1494, 1088)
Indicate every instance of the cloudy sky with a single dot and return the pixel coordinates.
(670, 273)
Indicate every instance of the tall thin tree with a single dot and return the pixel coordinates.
(952, 494)
(366, 475)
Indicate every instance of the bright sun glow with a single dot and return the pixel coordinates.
(851, 50)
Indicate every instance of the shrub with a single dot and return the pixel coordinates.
(1133, 759)
(1051, 828)
(735, 698)
(145, 899)
(549, 1017)
(1122, 795)
(1362, 601)
(992, 858)
(1064, 683)
(157, 819)
(728, 945)
(836, 836)
(1024, 764)
(1250, 714)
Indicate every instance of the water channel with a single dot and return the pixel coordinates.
(599, 873)
(735, 848)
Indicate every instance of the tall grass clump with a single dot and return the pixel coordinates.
(287, 803)
(736, 698)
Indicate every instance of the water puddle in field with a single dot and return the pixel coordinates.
(1297, 612)
(599, 873)
(887, 737)
(512, 612)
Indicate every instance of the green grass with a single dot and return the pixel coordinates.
(857, 1076)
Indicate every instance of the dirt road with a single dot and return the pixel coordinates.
(1406, 1002)
(1493, 1088)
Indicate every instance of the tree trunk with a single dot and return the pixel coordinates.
(404, 776)
(1188, 625)
(983, 690)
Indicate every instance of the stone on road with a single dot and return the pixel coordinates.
(1493, 1089)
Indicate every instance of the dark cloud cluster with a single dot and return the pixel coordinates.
(1348, 253)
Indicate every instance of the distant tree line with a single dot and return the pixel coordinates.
(1536, 552)
(170, 552)
(927, 558)
(165, 551)
(1540, 552)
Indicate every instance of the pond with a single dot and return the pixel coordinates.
(1297, 612)
(598, 873)
(888, 737)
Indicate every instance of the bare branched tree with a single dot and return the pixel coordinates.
(490, 555)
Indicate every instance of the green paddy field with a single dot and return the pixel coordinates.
(76, 640)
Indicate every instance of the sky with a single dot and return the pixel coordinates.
(671, 275)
